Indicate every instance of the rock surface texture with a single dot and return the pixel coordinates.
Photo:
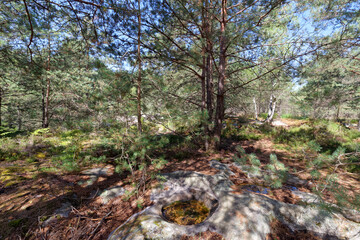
(234, 216)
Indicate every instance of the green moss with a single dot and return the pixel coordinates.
(186, 212)
(44, 218)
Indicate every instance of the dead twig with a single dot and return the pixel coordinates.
(98, 225)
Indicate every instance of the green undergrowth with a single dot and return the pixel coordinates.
(275, 173)
(291, 116)
(238, 132)
(57, 150)
(328, 134)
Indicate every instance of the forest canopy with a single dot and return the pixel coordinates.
(93, 62)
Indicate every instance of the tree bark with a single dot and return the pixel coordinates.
(220, 99)
(139, 126)
(209, 88)
(43, 106)
(272, 106)
(19, 118)
(255, 108)
(47, 92)
(207, 82)
(46, 105)
(203, 82)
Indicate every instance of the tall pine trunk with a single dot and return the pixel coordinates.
(139, 126)
(209, 88)
(46, 92)
(46, 98)
(206, 81)
(209, 100)
(220, 98)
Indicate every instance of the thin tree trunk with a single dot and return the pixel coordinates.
(43, 105)
(209, 68)
(205, 122)
(255, 108)
(272, 106)
(139, 70)
(209, 88)
(337, 117)
(220, 99)
(203, 83)
(19, 118)
(48, 83)
(209, 101)
(46, 105)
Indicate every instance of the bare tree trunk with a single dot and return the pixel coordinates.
(220, 99)
(19, 118)
(47, 93)
(43, 105)
(46, 105)
(272, 106)
(255, 108)
(203, 83)
(209, 68)
(204, 121)
(207, 81)
(337, 116)
(209, 101)
(139, 73)
(209, 87)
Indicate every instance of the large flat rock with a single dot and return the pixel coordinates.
(243, 216)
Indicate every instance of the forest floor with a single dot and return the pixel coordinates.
(28, 203)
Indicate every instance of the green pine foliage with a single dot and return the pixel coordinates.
(275, 173)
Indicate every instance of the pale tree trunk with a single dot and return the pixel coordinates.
(255, 108)
(47, 92)
(139, 69)
(220, 99)
(46, 95)
(272, 106)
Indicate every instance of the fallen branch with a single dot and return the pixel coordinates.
(98, 225)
